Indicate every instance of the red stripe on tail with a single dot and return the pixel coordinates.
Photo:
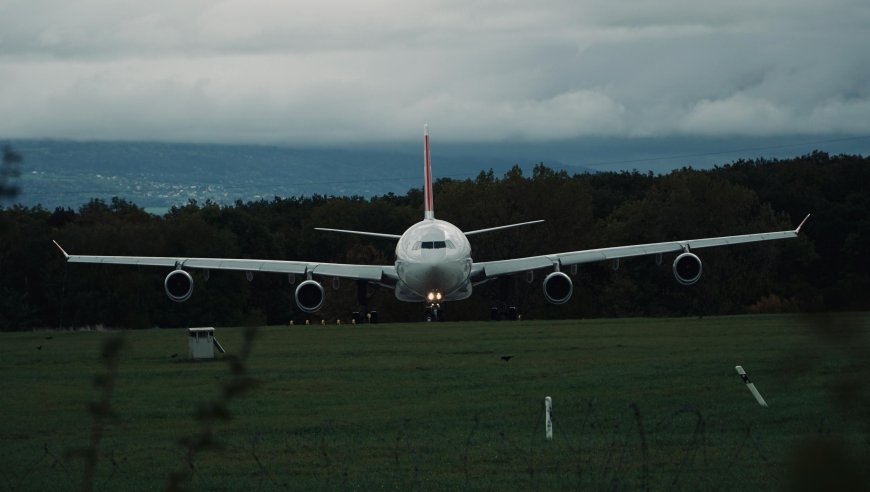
(427, 170)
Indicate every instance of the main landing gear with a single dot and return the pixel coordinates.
(504, 312)
(364, 295)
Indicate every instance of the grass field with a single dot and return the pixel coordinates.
(638, 404)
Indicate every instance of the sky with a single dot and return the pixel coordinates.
(327, 72)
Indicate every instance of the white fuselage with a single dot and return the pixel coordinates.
(433, 257)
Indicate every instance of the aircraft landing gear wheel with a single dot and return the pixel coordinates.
(433, 313)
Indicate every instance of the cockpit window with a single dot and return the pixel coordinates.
(434, 245)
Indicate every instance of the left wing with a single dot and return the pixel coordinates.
(374, 273)
(488, 269)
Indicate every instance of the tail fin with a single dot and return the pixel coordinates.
(428, 205)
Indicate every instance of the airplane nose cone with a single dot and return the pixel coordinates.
(427, 277)
(448, 276)
(440, 274)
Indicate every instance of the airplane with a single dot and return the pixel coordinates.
(433, 261)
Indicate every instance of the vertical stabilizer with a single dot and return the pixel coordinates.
(428, 205)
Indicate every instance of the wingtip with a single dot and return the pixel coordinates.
(798, 230)
(65, 255)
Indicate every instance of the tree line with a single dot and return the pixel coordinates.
(825, 269)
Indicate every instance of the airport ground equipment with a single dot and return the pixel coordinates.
(202, 342)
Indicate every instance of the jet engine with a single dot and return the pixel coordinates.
(687, 268)
(178, 285)
(310, 295)
(558, 288)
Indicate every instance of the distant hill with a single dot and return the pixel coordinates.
(159, 175)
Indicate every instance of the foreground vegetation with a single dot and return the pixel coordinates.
(639, 404)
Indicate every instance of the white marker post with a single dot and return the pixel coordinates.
(750, 385)
(548, 417)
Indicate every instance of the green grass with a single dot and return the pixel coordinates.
(637, 402)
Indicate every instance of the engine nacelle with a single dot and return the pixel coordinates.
(310, 295)
(558, 288)
(178, 285)
(687, 268)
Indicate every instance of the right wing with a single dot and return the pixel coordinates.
(374, 273)
(489, 269)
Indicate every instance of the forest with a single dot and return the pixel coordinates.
(825, 269)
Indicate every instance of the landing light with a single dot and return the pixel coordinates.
(438, 296)
(431, 296)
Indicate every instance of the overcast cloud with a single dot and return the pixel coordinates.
(355, 71)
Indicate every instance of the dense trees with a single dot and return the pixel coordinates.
(825, 269)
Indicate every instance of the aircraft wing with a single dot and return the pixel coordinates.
(488, 269)
(374, 273)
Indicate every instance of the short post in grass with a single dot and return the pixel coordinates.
(548, 417)
(751, 386)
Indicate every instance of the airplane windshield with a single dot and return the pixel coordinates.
(434, 245)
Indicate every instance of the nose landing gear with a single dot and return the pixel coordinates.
(433, 312)
(433, 307)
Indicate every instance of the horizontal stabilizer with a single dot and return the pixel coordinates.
(503, 227)
(361, 233)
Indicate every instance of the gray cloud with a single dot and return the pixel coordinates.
(312, 72)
